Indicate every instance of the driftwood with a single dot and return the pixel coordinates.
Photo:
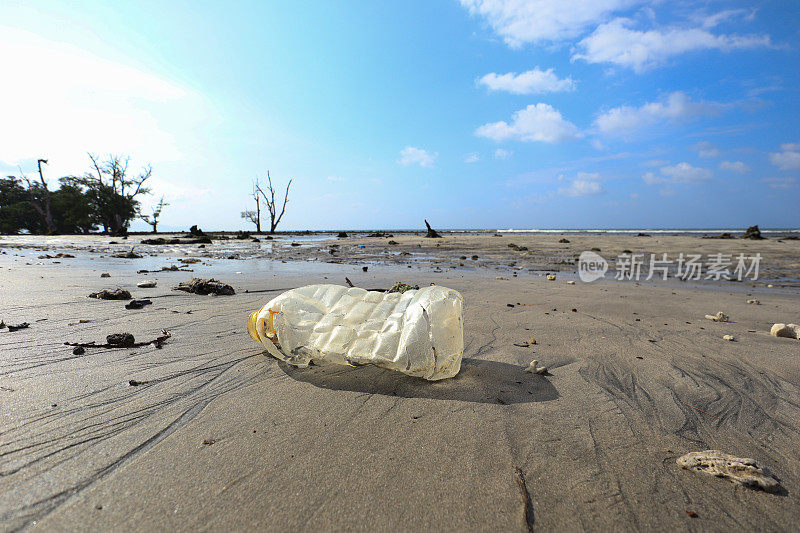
(526, 499)
(172, 268)
(194, 231)
(432, 233)
(188, 240)
(156, 342)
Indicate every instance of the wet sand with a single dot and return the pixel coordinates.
(456, 252)
(217, 435)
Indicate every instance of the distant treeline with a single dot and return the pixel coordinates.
(104, 198)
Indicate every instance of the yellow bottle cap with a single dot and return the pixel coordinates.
(251, 326)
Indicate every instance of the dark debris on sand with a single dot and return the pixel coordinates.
(109, 294)
(127, 255)
(137, 304)
(122, 340)
(753, 233)
(206, 286)
(11, 327)
(171, 268)
(189, 240)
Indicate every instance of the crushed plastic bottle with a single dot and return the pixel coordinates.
(419, 332)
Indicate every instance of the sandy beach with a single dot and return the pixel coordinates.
(468, 266)
(211, 433)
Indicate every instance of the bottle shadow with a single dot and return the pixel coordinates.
(478, 381)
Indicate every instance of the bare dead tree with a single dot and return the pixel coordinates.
(116, 191)
(274, 216)
(41, 205)
(153, 217)
(254, 216)
(116, 168)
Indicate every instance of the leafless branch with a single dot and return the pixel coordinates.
(144, 176)
(42, 206)
(96, 167)
(274, 216)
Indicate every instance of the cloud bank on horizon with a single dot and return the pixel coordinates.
(664, 113)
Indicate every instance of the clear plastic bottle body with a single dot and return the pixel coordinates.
(418, 332)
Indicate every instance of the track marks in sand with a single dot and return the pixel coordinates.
(92, 433)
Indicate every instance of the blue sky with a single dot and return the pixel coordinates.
(471, 113)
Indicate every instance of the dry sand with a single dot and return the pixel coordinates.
(218, 435)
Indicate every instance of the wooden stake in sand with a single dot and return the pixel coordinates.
(526, 499)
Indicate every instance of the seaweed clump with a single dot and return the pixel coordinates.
(402, 287)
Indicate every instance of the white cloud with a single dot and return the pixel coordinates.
(734, 166)
(788, 158)
(534, 81)
(715, 19)
(790, 147)
(472, 158)
(411, 155)
(780, 183)
(706, 149)
(58, 102)
(503, 154)
(686, 173)
(680, 173)
(537, 122)
(532, 21)
(674, 107)
(336, 179)
(651, 178)
(615, 42)
(655, 163)
(585, 184)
